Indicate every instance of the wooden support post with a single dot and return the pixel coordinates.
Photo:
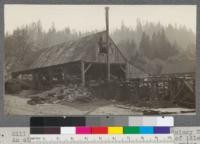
(14, 75)
(127, 72)
(172, 88)
(22, 76)
(83, 72)
(35, 80)
(50, 78)
(66, 75)
(39, 80)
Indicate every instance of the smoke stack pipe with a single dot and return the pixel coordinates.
(107, 42)
(107, 19)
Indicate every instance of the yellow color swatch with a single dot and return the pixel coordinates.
(115, 130)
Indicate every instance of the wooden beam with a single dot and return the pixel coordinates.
(88, 67)
(123, 69)
(83, 72)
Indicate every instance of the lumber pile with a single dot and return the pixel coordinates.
(60, 93)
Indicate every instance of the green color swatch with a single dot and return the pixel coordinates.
(131, 130)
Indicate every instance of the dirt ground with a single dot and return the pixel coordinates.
(15, 105)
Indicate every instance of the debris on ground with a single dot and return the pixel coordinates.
(168, 111)
(60, 93)
(27, 93)
(122, 106)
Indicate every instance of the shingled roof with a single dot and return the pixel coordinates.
(83, 49)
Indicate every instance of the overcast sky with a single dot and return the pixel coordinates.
(92, 17)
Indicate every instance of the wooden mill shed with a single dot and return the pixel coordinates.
(85, 59)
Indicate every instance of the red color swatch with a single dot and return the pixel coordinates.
(99, 130)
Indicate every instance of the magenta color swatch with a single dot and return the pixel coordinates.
(83, 130)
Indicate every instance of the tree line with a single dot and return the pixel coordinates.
(148, 46)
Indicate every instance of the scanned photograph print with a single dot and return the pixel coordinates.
(100, 60)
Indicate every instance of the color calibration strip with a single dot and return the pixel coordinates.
(101, 130)
(102, 121)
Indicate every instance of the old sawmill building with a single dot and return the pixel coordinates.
(96, 61)
(84, 59)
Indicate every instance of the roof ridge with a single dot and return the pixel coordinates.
(72, 41)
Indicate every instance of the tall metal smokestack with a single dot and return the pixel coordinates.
(107, 42)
